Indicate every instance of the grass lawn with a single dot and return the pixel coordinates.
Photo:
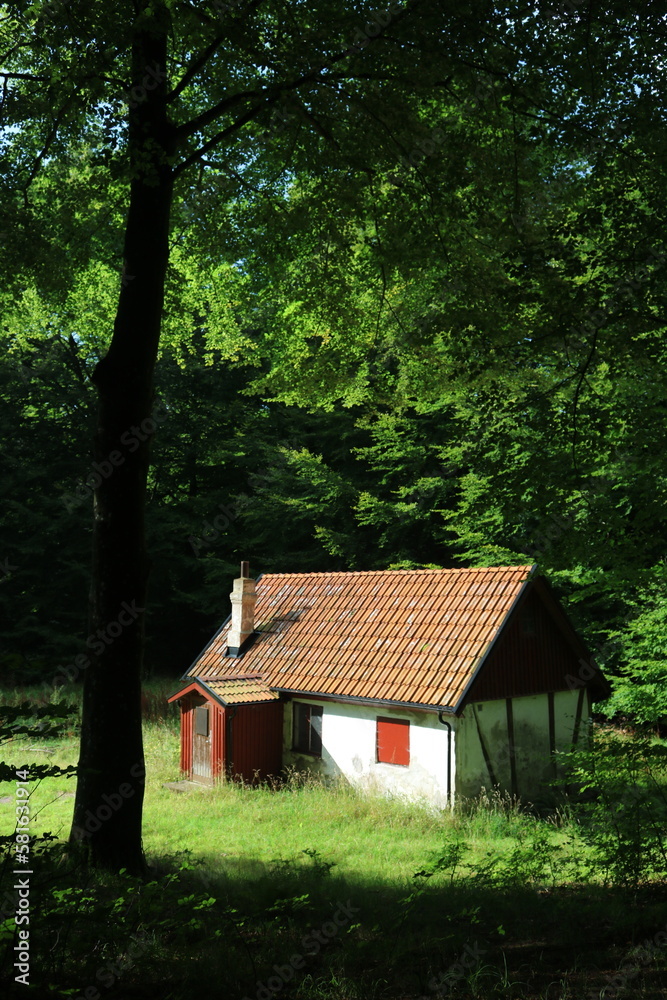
(310, 892)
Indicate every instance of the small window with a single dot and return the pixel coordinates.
(308, 729)
(201, 720)
(393, 741)
(528, 623)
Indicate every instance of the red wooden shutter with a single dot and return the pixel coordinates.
(393, 741)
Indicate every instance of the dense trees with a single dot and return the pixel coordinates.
(439, 227)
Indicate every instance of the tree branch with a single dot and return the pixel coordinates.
(25, 76)
(194, 68)
(207, 117)
(225, 169)
(316, 73)
(217, 138)
(50, 139)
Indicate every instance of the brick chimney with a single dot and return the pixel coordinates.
(243, 611)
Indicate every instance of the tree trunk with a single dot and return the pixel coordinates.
(110, 789)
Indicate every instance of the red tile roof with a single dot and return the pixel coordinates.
(240, 690)
(409, 636)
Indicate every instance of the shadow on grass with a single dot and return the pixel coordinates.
(236, 928)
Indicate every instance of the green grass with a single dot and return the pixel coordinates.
(241, 877)
(373, 838)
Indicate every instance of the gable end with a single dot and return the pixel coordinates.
(537, 651)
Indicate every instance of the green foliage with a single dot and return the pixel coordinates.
(47, 422)
(321, 867)
(233, 475)
(640, 690)
(39, 722)
(623, 815)
(536, 859)
(412, 311)
(112, 930)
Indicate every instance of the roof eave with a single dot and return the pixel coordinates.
(378, 702)
(598, 685)
(196, 683)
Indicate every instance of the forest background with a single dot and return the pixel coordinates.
(416, 320)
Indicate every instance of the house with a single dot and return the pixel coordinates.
(427, 683)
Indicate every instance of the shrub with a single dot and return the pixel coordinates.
(622, 809)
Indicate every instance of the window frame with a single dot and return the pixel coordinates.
(302, 716)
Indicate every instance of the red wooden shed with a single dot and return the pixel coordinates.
(230, 727)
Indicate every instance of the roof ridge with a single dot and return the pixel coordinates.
(397, 572)
(256, 675)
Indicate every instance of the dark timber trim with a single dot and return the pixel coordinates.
(510, 744)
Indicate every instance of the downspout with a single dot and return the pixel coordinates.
(230, 713)
(449, 756)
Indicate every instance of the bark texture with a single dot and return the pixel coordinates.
(110, 789)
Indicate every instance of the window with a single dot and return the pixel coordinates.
(308, 729)
(528, 622)
(201, 720)
(393, 741)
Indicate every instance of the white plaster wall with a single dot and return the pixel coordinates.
(565, 712)
(534, 765)
(534, 768)
(349, 749)
(471, 770)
